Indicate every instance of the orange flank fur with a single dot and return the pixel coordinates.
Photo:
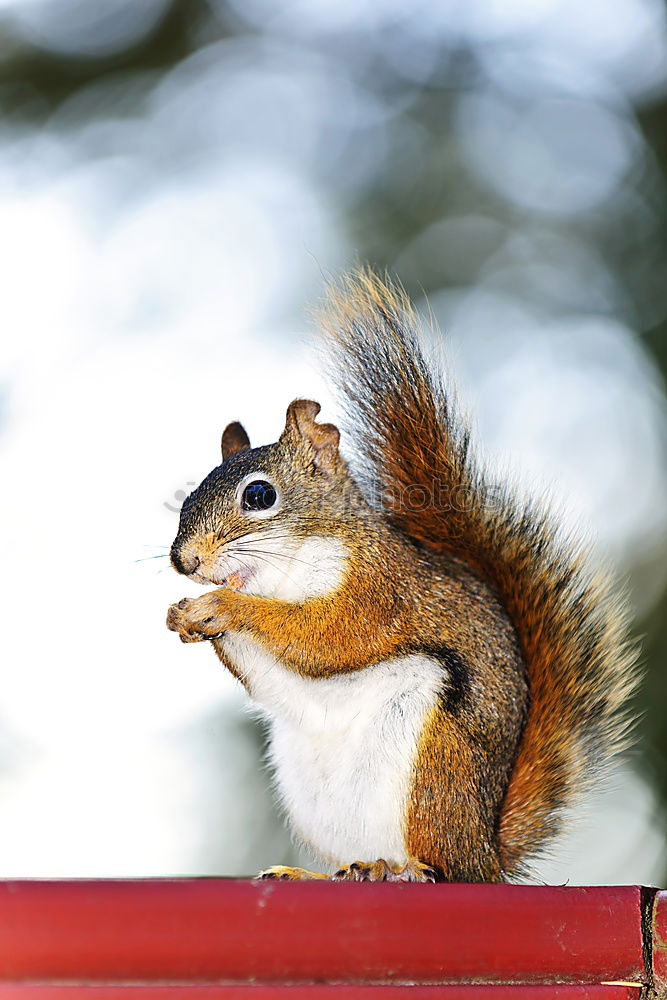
(450, 768)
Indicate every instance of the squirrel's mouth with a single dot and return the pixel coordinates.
(235, 580)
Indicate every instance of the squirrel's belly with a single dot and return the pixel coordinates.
(345, 798)
(343, 747)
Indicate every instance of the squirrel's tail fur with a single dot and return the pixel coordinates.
(572, 627)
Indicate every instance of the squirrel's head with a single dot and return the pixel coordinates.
(268, 520)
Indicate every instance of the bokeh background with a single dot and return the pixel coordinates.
(177, 180)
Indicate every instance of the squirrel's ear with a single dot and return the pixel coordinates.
(234, 438)
(323, 438)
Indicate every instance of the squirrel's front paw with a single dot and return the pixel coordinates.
(199, 618)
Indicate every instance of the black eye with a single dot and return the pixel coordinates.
(259, 495)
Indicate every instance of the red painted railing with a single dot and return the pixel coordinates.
(221, 937)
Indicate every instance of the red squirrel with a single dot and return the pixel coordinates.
(442, 672)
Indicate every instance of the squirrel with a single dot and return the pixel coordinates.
(441, 669)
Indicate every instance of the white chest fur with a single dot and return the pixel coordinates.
(342, 748)
(284, 566)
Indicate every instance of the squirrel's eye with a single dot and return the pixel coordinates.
(259, 495)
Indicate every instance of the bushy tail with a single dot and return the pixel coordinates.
(571, 626)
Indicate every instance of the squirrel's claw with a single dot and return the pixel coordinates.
(359, 871)
(290, 874)
(380, 871)
(195, 620)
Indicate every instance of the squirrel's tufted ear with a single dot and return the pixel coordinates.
(234, 438)
(323, 438)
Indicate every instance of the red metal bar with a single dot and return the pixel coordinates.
(19, 991)
(239, 931)
(659, 941)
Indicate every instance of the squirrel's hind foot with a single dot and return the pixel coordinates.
(381, 871)
(290, 874)
(358, 871)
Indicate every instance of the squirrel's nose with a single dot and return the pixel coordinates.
(185, 563)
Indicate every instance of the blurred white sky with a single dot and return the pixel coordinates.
(159, 241)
